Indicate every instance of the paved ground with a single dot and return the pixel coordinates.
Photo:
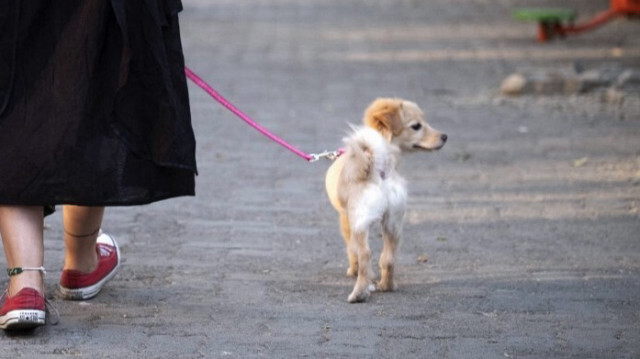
(528, 219)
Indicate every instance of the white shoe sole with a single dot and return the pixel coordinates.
(22, 319)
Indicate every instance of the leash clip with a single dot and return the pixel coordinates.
(330, 155)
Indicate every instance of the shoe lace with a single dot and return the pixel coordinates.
(50, 309)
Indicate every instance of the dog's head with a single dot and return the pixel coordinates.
(402, 123)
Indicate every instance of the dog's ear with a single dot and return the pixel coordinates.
(385, 116)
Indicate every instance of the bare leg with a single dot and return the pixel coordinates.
(21, 228)
(81, 226)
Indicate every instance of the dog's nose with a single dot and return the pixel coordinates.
(444, 137)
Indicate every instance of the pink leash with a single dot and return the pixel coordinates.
(311, 157)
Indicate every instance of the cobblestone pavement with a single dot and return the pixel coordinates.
(522, 234)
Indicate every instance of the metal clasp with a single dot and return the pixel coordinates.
(330, 155)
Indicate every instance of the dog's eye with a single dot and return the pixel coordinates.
(416, 127)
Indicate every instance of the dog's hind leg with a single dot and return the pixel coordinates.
(391, 230)
(345, 227)
(360, 244)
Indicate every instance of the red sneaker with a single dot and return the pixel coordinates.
(76, 285)
(25, 310)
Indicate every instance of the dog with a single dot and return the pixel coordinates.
(365, 188)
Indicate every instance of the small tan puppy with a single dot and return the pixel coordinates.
(364, 186)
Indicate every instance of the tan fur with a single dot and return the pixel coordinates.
(384, 116)
(349, 180)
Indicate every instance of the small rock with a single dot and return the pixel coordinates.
(572, 80)
(580, 162)
(514, 84)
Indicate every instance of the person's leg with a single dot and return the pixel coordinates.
(21, 228)
(91, 257)
(81, 227)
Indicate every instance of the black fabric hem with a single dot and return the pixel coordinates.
(49, 209)
(111, 203)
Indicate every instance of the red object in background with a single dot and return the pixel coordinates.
(616, 8)
(626, 6)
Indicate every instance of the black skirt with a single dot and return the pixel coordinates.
(94, 108)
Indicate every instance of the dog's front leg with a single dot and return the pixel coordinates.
(360, 246)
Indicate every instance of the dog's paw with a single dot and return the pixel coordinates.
(352, 272)
(388, 286)
(358, 297)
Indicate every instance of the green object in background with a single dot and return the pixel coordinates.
(545, 15)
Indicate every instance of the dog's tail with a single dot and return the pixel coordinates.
(366, 149)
